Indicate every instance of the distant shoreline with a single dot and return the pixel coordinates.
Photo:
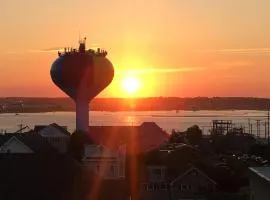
(42, 105)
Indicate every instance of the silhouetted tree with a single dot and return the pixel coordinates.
(258, 149)
(76, 145)
(194, 134)
(177, 137)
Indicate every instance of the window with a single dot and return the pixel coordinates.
(97, 168)
(156, 174)
(112, 169)
(150, 187)
(189, 187)
(145, 187)
(121, 170)
(202, 188)
(155, 187)
(184, 187)
(163, 187)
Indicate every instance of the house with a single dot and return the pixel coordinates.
(56, 135)
(138, 139)
(106, 146)
(192, 184)
(187, 182)
(259, 179)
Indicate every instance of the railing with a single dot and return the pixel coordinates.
(98, 52)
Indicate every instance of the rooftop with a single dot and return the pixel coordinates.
(141, 138)
(263, 172)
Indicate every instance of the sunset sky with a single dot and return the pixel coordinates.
(171, 47)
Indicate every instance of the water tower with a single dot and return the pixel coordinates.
(82, 74)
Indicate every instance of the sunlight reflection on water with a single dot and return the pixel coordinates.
(131, 120)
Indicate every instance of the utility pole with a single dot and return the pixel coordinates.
(20, 127)
(249, 129)
(268, 118)
(258, 128)
(265, 130)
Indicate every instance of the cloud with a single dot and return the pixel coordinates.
(159, 70)
(49, 50)
(12, 52)
(227, 64)
(251, 51)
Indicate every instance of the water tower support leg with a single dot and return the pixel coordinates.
(82, 116)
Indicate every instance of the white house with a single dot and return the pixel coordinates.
(56, 135)
(107, 163)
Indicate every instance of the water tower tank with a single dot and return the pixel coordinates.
(82, 74)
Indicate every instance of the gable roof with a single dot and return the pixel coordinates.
(188, 171)
(262, 172)
(62, 129)
(23, 146)
(4, 138)
(38, 128)
(139, 139)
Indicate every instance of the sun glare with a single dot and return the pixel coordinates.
(131, 85)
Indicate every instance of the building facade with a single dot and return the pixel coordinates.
(107, 163)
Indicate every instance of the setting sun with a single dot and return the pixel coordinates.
(131, 85)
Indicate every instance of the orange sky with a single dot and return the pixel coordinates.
(173, 47)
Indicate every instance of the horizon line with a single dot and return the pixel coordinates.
(152, 97)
